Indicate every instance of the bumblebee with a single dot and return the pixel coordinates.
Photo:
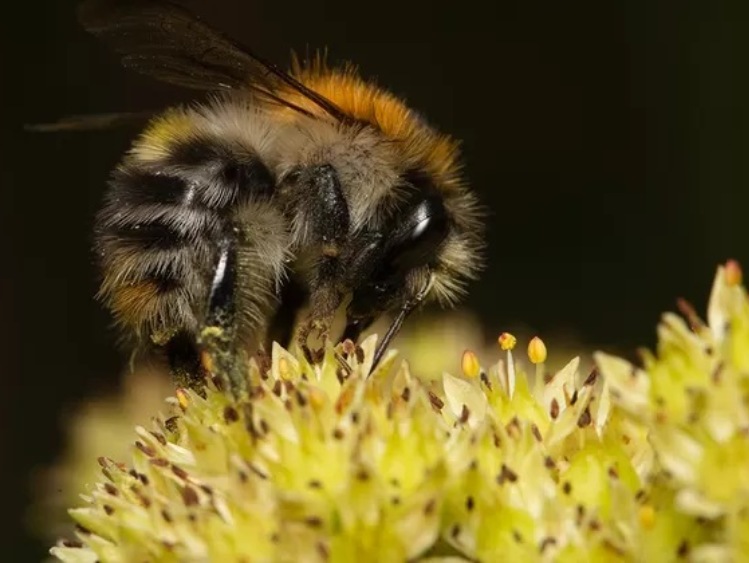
(281, 193)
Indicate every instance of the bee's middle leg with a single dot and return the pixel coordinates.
(281, 327)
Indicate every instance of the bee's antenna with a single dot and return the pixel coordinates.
(408, 307)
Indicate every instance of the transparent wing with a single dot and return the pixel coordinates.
(164, 40)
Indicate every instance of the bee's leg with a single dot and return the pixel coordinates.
(282, 322)
(281, 328)
(221, 302)
(330, 223)
(369, 250)
(217, 339)
(192, 359)
(184, 360)
(355, 327)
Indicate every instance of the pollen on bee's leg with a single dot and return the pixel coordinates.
(221, 359)
(210, 342)
(184, 361)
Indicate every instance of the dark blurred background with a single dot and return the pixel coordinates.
(609, 139)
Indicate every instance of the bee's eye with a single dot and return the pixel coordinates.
(410, 238)
(417, 236)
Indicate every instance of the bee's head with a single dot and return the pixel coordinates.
(415, 241)
(426, 247)
(406, 228)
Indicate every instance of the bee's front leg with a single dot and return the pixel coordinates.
(329, 219)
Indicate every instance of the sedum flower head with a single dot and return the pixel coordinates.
(693, 399)
(335, 462)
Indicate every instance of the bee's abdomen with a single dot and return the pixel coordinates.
(156, 233)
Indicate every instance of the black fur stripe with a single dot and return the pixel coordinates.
(198, 152)
(148, 236)
(167, 281)
(247, 179)
(132, 186)
(197, 174)
(192, 223)
(231, 176)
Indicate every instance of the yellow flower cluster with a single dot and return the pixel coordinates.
(693, 399)
(334, 461)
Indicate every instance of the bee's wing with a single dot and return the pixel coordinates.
(91, 122)
(164, 40)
